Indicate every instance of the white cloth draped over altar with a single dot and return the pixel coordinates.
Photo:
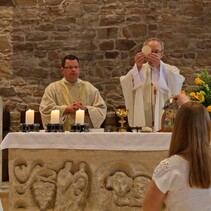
(88, 141)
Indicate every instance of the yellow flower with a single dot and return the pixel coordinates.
(202, 94)
(198, 81)
(209, 108)
(199, 96)
(192, 94)
(183, 92)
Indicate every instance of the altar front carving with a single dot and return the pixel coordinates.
(80, 179)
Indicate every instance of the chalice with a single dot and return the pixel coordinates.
(122, 113)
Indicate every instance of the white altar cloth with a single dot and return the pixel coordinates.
(88, 141)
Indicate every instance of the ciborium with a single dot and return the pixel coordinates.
(122, 113)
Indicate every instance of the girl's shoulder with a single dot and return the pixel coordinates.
(171, 163)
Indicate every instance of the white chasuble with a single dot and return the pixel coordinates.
(61, 93)
(138, 88)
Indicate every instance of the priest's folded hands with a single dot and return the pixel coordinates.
(74, 107)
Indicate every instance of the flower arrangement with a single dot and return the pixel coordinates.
(202, 92)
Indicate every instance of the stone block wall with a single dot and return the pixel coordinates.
(104, 34)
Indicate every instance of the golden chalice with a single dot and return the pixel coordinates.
(122, 113)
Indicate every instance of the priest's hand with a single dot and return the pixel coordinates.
(154, 60)
(74, 107)
(139, 59)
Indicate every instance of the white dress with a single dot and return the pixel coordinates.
(171, 177)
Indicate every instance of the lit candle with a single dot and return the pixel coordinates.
(55, 116)
(79, 119)
(29, 119)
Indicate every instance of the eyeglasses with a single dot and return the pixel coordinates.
(156, 51)
(71, 67)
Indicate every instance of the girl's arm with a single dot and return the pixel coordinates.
(153, 200)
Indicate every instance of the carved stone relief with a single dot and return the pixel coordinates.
(78, 185)
(121, 185)
(48, 189)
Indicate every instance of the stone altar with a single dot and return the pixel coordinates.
(65, 179)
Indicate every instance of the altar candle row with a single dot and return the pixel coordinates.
(55, 117)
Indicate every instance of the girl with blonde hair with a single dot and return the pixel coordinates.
(183, 180)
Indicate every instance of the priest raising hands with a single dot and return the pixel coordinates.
(148, 85)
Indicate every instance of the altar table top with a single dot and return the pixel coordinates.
(124, 141)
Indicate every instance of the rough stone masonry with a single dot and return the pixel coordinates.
(104, 34)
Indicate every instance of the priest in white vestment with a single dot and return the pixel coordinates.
(148, 85)
(71, 94)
